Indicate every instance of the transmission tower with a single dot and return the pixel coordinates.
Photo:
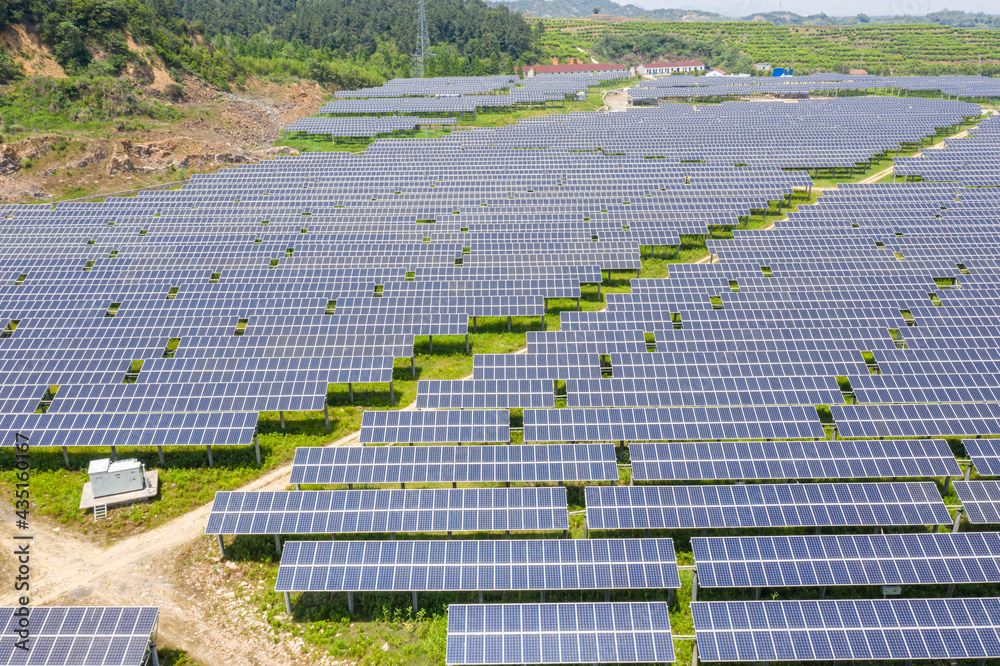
(423, 50)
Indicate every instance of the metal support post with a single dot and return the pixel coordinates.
(951, 591)
(256, 447)
(481, 596)
(114, 452)
(670, 597)
(474, 325)
(968, 471)
(159, 449)
(326, 413)
(66, 456)
(281, 415)
(430, 341)
(694, 587)
(415, 606)
(756, 594)
(350, 603)
(350, 392)
(288, 603)
(958, 519)
(153, 656)
(277, 545)
(210, 462)
(947, 484)
(467, 342)
(541, 597)
(508, 324)
(222, 546)
(392, 395)
(413, 367)
(822, 592)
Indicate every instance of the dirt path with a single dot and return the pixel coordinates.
(592, 58)
(143, 570)
(616, 100)
(875, 177)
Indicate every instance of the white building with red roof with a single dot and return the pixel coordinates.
(572, 69)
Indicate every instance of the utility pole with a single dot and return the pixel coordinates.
(423, 50)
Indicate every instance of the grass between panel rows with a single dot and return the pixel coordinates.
(187, 481)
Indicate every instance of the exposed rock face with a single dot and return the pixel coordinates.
(8, 158)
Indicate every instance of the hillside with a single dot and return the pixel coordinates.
(584, 8)
(736, 45)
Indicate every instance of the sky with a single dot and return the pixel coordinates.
(830, 7)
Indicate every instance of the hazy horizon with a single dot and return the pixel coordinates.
(829, 7)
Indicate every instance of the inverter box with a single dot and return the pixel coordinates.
(113, 478)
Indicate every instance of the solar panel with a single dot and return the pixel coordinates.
(592, 633)
(980, 500)
(985, 455)
(879, 559)
(847, 629)
(368, 511)
(438, 566)
(583, 425)
(435, 427)
(765, 505)
(78, 635)
(824, 459)
(443, 464)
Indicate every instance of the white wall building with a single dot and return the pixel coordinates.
(662, 68)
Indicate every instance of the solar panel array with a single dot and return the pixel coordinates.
(971, 161)
(845, 559)
(827, 84)
(765, 505)
(384, 511)
(847, 630)
(619, 633)
(255, 288)
(359, 127)
(438, 566)
(451, 464)
(985, 455)
(980, 500)
(847, 459)
(285, 301)
(97, 635)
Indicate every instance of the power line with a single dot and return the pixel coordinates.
(423, 50)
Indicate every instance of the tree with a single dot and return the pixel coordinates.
(597, 10)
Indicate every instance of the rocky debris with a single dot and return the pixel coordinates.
(229, 129)
(231, 158)
(121, 160)
(274, 151)
(9, 161)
